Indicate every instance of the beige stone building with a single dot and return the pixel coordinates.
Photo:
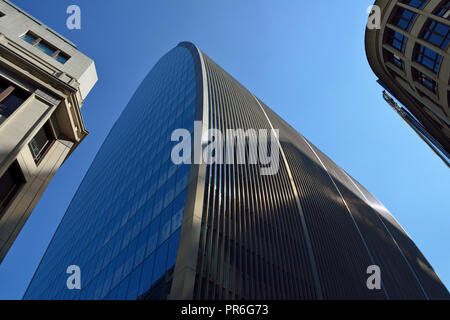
(43, 82)
(410, 54)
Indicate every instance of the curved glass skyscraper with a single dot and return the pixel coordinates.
(142, 227)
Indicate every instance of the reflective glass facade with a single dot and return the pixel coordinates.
(122, 227)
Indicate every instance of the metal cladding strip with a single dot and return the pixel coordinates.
(390, 234)
(297, 200)
(186, 262)
(349, 211)
(245, 251)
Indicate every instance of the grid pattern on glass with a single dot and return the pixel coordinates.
(437, 33)
(123, 225)
(395, 39)
(403, 18)
(427, 57)
(419, 4)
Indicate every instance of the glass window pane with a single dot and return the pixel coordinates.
(160, 262)
(62, 58)
(403, 18)
(30, 38)
(419, 4)
(147, 272)
(173, 249)
(45, 48)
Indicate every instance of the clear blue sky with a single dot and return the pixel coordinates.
(305, 59)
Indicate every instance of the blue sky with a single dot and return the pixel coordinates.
(304, 59)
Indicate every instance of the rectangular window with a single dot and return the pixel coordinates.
(62, 57)
(403, 18)
(436, 33)
(11, 97)
(443, 10)
(425, 80)
(10, 184)
(30, 38)
(45, 47)
(395, 39)
(394, 59)
(428, 58)
(41, 142)
(419, 4)
(397, 61)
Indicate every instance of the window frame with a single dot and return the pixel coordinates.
(421, 54)
(19, 180)
(419, 6)
(429, 31)
(56, 53)
(12, 89)
(391, 38)
(398, 16)
(394, 59)
(443, 10)
(51, 138)
(420, 77)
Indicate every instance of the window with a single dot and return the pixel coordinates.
(428, 58)
(397, 61)
(62, 57)
(395, 39)
(436, 33)
(30, 38)
(403, 18)
(443, 10)
(11, 98)
(394, 59)
(425, 80)
(419, 4)
(41, 142)
(2, 14)
(45, 47)
(10, 184)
